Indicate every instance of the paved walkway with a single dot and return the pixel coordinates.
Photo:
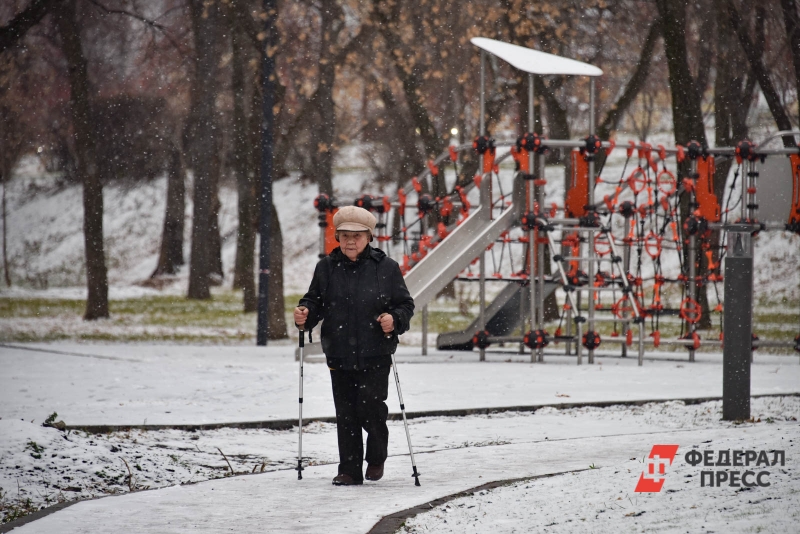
(141, 384)
(278, 502)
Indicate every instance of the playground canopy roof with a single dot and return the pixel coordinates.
(534, 61)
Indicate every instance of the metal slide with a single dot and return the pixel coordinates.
(502, 317)
(450, 256)
(455, 252)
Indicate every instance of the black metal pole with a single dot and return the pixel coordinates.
(738, 342)
(265, 216)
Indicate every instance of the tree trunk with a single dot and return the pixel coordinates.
(170, 258)
(705, 53)
(216, 274)
(244, 275)
(276, 309)
(331, 24)
(16, 29)
(201, 134)
(276, 318)
(687, 115)
(386, 19)
(792, 24)
(6, 271)
(634, 85)
(753, 51)
(733, 95)
(87, 172)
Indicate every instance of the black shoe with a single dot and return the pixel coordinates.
(374, 472)
(345, 480)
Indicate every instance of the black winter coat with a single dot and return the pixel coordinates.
(348, 296)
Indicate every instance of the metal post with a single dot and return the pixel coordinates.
(485, 189)
(752, 177)
(482, 127)
(570, 311)
(568, 344)
(691, 285)
(483, 300)
(641, 342)
(591, 236)
(531, 233)
(323, 225)
(578, 328)
(626, 267)
(485, 203)
(522, 317)
(265, 217)
(738, 321)
(745, 179)
(540, 259)
(425, 330)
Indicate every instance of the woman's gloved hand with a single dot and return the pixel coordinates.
(387, 322)
(300, 315)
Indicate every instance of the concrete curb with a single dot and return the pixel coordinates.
(288, 424)
(7, 527)
(390, 523)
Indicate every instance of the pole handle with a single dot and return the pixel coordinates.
(302, 330)
(387, 335)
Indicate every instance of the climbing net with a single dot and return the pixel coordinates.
(625, 236)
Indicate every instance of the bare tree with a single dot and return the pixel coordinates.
(87, 167)
(243, 164)
(753, 50)
(29, 17)
(202, 135)
(170, 256)
(792, 23)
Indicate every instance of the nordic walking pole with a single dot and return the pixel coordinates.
(300, 404)
(405, 422)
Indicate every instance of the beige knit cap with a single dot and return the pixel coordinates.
(354, 219)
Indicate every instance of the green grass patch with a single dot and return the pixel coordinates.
(11, 308)
(158, 318)
(176, 319)
(441, 321)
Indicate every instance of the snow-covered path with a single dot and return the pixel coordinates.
(143, 384)
(131, 384)
(278, 502)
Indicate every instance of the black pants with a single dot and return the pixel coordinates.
(359, 397)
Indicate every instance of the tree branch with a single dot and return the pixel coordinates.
(759, 70)
(635, 84)
(141, 18)
(410, 81)
(790, 21)
(24, 21)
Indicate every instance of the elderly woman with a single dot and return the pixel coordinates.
(359, 295)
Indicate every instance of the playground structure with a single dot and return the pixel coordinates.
(612, 243)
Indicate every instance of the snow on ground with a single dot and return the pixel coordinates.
(50, 466)
(45, 239)
(277, 502)
(152, 384)
(601, 499)
(45, 231)
(136, 384)
(159, 384)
